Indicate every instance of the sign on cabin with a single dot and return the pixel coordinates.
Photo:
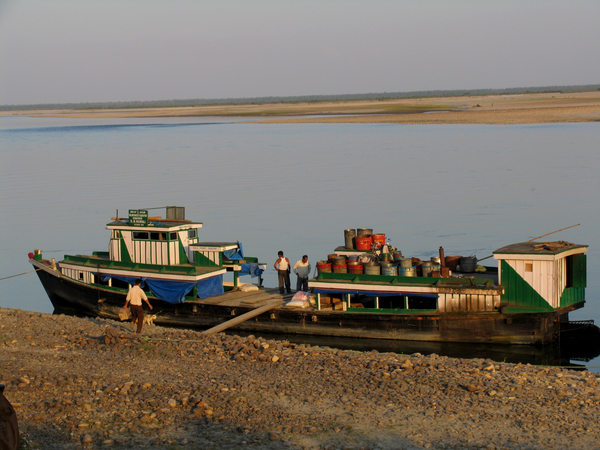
(138, 217)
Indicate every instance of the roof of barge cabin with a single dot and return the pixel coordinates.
(539, 248)
(156, 223)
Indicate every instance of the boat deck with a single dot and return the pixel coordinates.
(459, 280)
(108, 266)
(254, 299)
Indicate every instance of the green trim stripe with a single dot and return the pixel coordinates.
(125, 256)
(183, 259)
(570, 296)
(203, 261)
(579, 270)
(519, 292)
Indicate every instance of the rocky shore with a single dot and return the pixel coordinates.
(91, 383)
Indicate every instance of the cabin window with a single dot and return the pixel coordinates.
(140, 235)
(173, 236)
(421, 302)
(116, 234)
(192, 233)
(81, 275)
(361, 301)
(393, 302)
(528, 267)
(332, 301)
(158, 236)
(115, 282)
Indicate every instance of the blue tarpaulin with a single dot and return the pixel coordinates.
(170, 291)
(129, 280)
(251, 269)
(210, 287)
(175, 291)
(235, 254)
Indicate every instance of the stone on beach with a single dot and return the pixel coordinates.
(180, 388)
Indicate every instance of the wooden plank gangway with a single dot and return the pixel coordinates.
(272, 304)
(250, 298)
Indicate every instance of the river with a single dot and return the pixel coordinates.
(296, 187)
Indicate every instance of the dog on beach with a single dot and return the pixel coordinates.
(149, 319)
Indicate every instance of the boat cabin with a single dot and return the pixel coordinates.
(166, 253)
(542, 276)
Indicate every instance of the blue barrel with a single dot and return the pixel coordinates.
(407, 271)
(405, 262)
(389, 270)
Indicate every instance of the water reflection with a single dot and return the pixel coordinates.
(569, 354)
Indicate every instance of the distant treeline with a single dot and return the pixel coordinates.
(301, 98)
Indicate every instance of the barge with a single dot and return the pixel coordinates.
(526, 300)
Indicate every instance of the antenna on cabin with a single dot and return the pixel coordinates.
(544, 235)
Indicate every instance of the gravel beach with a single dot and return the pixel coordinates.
(92, 383)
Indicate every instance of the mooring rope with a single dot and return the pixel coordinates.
(24, 273)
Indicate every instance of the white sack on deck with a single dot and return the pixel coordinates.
(248, 287)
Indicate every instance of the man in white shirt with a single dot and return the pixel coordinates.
(135, 297)
(282, 265)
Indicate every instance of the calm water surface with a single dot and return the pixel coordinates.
(469, 188)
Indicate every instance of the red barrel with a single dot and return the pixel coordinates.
(340, 268)
(355, 268)
(379, 240)
(363, 242)
(323, 267)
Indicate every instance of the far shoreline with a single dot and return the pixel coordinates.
(489, 109)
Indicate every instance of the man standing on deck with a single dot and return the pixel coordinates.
(135, 296)
(302, 271)
(282, 265)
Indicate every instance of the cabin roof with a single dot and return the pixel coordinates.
(538, 248)
(155, 223)
(214, 246)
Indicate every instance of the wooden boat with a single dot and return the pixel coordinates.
(522, 302)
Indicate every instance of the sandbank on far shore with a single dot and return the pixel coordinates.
(491, 109)
(504, 116)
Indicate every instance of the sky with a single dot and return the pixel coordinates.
(75, 51)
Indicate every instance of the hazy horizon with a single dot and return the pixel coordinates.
(68, 51)
(317, 98)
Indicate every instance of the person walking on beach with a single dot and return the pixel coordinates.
(282, 265)
(135, 297)
(302, 271)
